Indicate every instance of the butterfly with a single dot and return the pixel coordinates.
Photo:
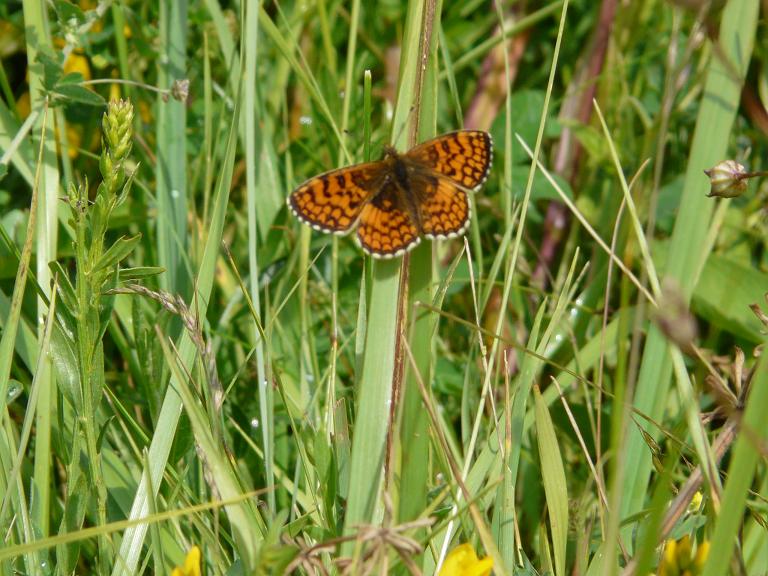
(395, 201)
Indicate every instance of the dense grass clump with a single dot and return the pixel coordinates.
(191, 380)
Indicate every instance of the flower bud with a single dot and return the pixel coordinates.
(180, 90)
(728, 179)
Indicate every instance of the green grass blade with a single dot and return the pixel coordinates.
(11, 324)
(172, 153)
(370, 430)
(255, 198)
(46, 240)
(242, 516)
(553, 477)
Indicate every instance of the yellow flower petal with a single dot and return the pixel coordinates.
(696, 501)
(668, 564)
(701, 555)
(191, 564)
(462, 561)
(684, 552)
(678, 558)
(114, 92)
(74, 140)
(76, 62)
(482, 568)
(23, 105)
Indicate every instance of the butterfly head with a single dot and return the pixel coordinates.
(389, 152)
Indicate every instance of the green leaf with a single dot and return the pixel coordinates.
(119, 250)
(107, 303)
(123, 194)
(66, 310)
(51, 63)
(725, 290)
(139, 273)
(69, 14)
(71, 78)
(525, 113)
(98, 215)
(64, 356)
(75, 93)
(66, 290)
(74, 513)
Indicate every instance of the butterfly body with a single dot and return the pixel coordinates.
(395, 201)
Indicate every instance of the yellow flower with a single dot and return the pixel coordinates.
(74, 132)
(77, 62)
(191, 564)
(74, 140)
(678, 558)
(462, 561)
(86, 5)
(701, 556)
(696, 501)
(23, 105)
(114, 89)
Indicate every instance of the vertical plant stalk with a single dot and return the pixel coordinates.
(425, 44)
(253, 150)
(11, 325)
(96, 270)
(425, 47)
(420, 328)
(425, 41)
(384, 322)
(349, 84)
(37, 37)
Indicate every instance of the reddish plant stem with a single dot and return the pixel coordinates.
(577, 106)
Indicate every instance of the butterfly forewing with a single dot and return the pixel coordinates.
(332, 202)
(386, 229)
(464, 156)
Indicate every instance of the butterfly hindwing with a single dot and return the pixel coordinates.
(386, 229)
(443, 206)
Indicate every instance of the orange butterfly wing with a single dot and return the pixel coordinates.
(391, 213)
(386, 229)
(443, 206)
(332, 202)
(464, 156)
